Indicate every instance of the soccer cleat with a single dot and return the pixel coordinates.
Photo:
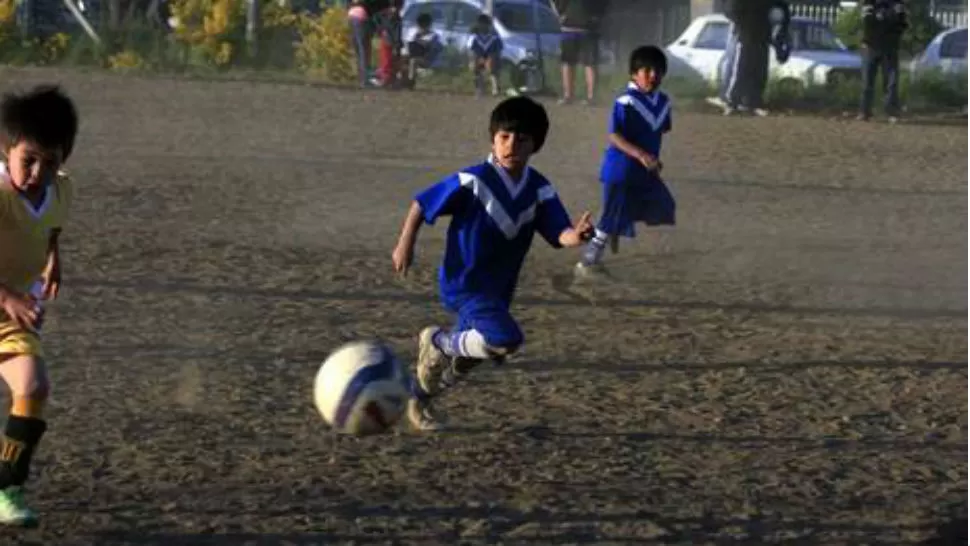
(14, 510)
(431, 362)
(584, 270)
(423, 417)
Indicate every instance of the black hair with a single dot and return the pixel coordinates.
(44, 115)
(649, 57)
(521, 115)
(483, 22)
(424, 20)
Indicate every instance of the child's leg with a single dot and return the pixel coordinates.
(485, 331)
(26, 376)
(492, 64)
(609, 226)
(477, 66)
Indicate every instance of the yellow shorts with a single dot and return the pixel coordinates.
(14, 340)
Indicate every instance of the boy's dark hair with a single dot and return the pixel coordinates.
(521, 115)
(483, 22)
(44, 115)
(649, 57)
(424, 20)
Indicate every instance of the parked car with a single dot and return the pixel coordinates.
(513, 20)
(817, 57)
(946, 54)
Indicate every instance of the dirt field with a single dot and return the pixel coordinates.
(789, 365)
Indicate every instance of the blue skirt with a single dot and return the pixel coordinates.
(645, 200)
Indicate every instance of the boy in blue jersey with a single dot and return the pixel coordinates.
(496, 207)
(485, 48)
(632, 188)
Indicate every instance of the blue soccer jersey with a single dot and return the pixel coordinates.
(493, 219)
(641, 118)
(483, 46)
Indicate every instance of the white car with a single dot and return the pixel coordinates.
(817, 57)
(946, 53)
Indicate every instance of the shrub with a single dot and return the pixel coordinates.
(325, 48)
(211, 29)
(126, 60)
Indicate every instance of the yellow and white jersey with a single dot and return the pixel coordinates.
(25, 230)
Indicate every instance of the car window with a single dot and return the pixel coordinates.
(713, 36)
(438, 11)
(814, 37)
(954, 45)
(464, 17)
(518, 18)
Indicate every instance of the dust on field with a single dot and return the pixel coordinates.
(787, 365)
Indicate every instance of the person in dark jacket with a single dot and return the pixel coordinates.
(756, 34)
(883, 25)
(580, 38)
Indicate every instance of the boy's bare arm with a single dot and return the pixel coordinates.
(52, 271)
(633, 150)
(404, 251)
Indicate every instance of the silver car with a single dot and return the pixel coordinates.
(453, 21)
(946, 54)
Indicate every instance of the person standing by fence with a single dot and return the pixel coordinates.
(883, 25)
(360, 32)
(748, 76)
(580, 43)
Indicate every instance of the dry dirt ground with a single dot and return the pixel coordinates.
(787, 366)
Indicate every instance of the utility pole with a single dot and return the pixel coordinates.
(252, 27)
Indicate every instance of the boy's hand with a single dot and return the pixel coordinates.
(649, 162)
(402, 257)
(581, 231)
(24, 310)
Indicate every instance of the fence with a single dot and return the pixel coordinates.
(949, 14)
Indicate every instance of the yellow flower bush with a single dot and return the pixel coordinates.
(325, 49)
(211, 29)
(54, 47)
(126, 60)
(8, 22)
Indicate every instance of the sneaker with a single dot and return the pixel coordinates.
(584, 270)
(431, 362)
(760, 112)
(716, 102)
(13, 508)
(423, 417)
(731, 111)
(893, 120)
(565, 101)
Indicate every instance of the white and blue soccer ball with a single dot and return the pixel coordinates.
(361, 388)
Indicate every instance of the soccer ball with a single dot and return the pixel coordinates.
(361, 388)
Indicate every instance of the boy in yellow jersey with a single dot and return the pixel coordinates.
(37, 131)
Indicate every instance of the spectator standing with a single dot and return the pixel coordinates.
(581, 21)
(360, 31)
(883, 25)
(755, 33)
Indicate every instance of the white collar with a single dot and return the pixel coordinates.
(513, 188)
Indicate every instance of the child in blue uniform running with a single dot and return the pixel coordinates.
(632, 188)
(496, 207)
